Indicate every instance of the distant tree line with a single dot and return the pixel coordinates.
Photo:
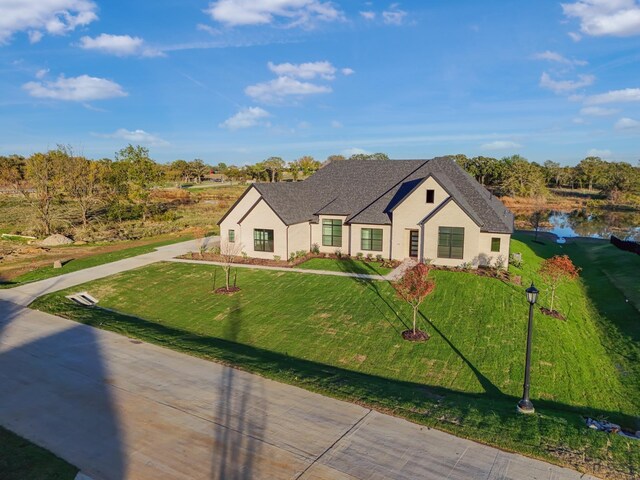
(121, 188)
(516, 176)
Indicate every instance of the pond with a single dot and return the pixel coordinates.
(595, 224)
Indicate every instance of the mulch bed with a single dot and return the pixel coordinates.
(214, 257)
(552, 313)
(418, 336)
(481, 271)
(226, 291)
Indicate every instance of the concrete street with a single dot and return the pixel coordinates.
(118, 409)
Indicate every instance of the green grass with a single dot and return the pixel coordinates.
(87, 262)
(347, 265)
(21, 459)
(341, 337)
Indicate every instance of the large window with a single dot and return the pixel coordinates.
(495, 244)
(263, 240)
(232, 236)
(450, 242)
(332, 233)
(371, 239)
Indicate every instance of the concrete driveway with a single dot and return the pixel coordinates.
(118, 409)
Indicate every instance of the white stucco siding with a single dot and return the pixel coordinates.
(316, 235)
(451, 215)
(231, 220)
(356, 239)
(299, 237)
(484, 248)
(263, 217)
(410, 212)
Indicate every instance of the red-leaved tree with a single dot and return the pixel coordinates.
(556, 270)
(414, 286)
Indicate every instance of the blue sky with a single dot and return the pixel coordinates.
(241, 80)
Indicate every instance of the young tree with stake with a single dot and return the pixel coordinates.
(556, 270)
(228, 252)
(413, 288)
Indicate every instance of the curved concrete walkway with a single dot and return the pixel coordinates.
(25, 294)
(119, 408)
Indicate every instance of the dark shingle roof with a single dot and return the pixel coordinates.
(366, 191)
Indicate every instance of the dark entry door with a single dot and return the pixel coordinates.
(413, 243)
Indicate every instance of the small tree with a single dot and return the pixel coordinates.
(556, 270)
(414, 286)
(200, 235)
(228, 252)
(535, 220)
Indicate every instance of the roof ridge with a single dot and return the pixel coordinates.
(387, 190)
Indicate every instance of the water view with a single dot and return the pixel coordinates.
(594, 224)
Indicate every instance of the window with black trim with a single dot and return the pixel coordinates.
(232, 236)
(332, 233)
(262, 240)
(371, 239)
(431, 196)
(495, 244)
(450, 242)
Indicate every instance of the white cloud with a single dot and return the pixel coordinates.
(79, 89)
(260, 12)
(208, 28)
(627, 124)
(500, 145)
(576, 37)
(306, 71)
(245, 118)
(119, 45)
(42, 72)
(55, 17)
(336, 124)
(565, 86)
(136, 136)
(598, 111)
(348, 71)
(279, 88)
(557, 57)
(35, 36)
(394, 16)
(615, 96)
(595, 152)
(620, 18)
(368, 15)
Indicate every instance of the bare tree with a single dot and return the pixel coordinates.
(84, 183)
(39, 180)
(228, 253)
(200, 234)
(535, 220)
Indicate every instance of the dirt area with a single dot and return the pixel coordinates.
(178, 212)
(18, 258)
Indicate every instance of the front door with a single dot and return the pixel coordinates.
(413, 243)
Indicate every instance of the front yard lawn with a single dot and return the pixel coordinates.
(347, 265)
(341, 337)
(21, 459)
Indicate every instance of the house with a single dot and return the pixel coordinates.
(426, 209)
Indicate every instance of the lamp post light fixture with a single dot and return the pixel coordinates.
(525, 405)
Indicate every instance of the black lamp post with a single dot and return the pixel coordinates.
(525, 405)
